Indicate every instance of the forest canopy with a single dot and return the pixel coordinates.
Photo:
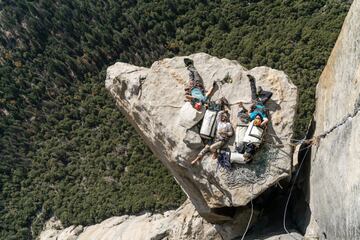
(66, 150)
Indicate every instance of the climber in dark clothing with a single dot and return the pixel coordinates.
(259, 97)
(196, 90)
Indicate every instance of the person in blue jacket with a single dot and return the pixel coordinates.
(196, 91)
(259, 97)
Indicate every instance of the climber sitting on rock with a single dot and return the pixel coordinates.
(195, 92)
(223, 133)
(259, 97)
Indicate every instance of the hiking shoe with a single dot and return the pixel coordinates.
(224, 101)
(188, 62)
(247, 157)
(251, 77)
(214, 83)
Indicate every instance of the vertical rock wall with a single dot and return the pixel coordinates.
(335, 167)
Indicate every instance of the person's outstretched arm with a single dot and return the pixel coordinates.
(212, 90)
(264, 122)
(189, 97)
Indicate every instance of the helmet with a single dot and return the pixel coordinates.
(198, 106)
(224, 117)
(257, 122)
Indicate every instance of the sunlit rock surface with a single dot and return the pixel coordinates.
(335, 167)
(151, 99)
(183, 223)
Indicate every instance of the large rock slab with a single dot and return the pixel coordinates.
(183, 223)
(151, 99)
(335, 166)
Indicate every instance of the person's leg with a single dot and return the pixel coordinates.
(265, 96)
(214, 147)
(188, 62)
(252, 87)
(194, 76)
(201, 154)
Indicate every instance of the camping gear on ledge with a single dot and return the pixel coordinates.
(189, 116)
(208, 127)
(253, 134)
(247, 140)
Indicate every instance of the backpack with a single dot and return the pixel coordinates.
(208, 126)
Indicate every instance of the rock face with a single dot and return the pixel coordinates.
(181, 224)
(335, 167)
(184, 223)
(151, 99)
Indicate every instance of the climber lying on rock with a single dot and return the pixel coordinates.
(223, 133)
(248, 136)
(250, 126)
(195, 92)
(259, 97)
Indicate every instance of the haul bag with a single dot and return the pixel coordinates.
(189, 116)
(236, 157)
(208, 126)
(253, 134)
(240, 133)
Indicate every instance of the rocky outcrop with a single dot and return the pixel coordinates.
(151, 99)
(183, 223)
(335, 167)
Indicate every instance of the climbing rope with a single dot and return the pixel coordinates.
(290, 193)
(251, 215)
(255, 173)
(166, 105)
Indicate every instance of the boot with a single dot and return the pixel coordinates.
(251, 77)
(188, 62)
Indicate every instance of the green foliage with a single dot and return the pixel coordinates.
(65, 149)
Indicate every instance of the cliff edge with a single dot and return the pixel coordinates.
(152, 99)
